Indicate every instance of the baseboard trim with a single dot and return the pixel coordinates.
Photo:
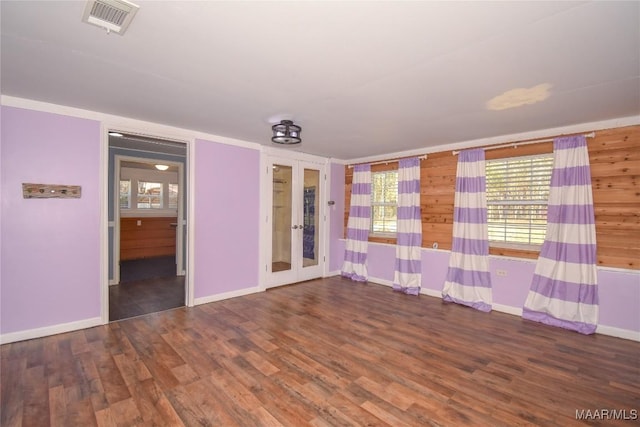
(332, 273)
(227, 295)
(618, 333)
(517, 311)
(379, 281)
(49, 330)
(431, 293)
(97, 321)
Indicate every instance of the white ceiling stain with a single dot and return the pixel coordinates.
(520, 96)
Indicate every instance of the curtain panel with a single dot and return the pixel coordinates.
(408, 266)
(358, 224)
(564, 288)
(468, 281)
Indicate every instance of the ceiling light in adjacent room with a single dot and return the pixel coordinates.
(162, 167)
(286, 132)
(520, 96)
(116, 134)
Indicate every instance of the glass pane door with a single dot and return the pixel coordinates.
(310, 217)
(295, 221)
(281, 254)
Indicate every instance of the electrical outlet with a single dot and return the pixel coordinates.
(139, 223)
(501, 273)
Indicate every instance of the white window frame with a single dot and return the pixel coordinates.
(528, 200)
(383, 204)
(161, 197)
(177, 198)
(120, 194)
(134, 176)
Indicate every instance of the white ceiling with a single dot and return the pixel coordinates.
(361, 78)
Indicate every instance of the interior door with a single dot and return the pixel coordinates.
(310, 220)
(295, 221)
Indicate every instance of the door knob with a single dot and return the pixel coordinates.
(295, 227)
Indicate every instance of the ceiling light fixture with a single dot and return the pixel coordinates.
(116, 134)
(162, 167)
(286, 132)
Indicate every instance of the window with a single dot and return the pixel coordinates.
(173, 196)
(149, 195)
(125, 193)
(517, 195)
(384, 202)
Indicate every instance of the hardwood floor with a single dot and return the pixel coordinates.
(323, 353)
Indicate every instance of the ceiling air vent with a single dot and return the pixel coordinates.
(112, 15)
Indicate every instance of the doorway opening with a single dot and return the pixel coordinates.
(147, 227)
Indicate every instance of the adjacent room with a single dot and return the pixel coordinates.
(319, 213)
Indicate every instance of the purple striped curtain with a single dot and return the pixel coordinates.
(355, 255)
(408, 273)
(564, 289)
(468, 280)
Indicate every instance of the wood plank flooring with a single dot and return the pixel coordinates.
(321, 353)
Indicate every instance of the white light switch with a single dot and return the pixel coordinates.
(139, 223)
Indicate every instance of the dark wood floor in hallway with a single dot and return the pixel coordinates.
(323, 353)
(146, 286)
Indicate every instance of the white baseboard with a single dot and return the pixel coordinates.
(227, 295)
(618, 333)
(423, 291)
(378, 281)
(431, 293)
(97, 321)
(49, 330)
(333, 273)
(517, 311)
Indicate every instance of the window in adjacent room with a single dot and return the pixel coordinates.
(149, 195)
(384, 202)
(173, 196)
(517, 196)
(125, 193)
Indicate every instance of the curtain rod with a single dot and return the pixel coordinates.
(517, 144)
(386, 162)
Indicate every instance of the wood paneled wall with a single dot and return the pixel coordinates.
(155, 236)
(615, 168)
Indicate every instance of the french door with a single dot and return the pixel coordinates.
(295, 221)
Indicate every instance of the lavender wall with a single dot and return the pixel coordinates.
(50, 252)
(227, 206)
(336, 217)
(50, 248)
(619, 290)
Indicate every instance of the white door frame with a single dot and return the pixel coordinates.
(298, 163)
(118, 159)
(169, 134)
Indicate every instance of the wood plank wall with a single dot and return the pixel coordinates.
(615, 168)
(155, 236)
